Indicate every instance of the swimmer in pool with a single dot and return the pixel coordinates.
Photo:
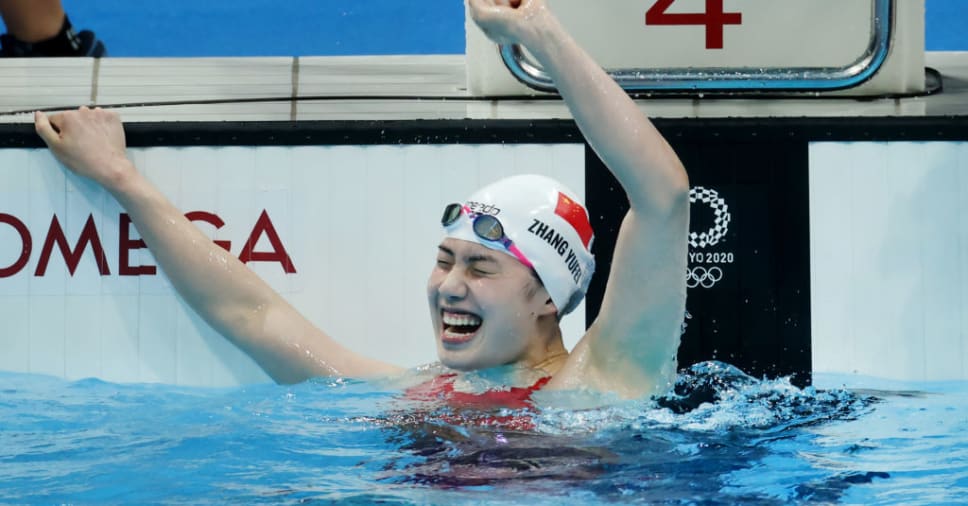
(515, 256)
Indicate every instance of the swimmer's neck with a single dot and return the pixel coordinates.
(552, 355)
(552, 362)
(521, 374)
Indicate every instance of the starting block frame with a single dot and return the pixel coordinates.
(891, 61)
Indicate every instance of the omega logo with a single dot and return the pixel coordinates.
(90, 238)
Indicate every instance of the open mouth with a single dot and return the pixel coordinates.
(459, 328)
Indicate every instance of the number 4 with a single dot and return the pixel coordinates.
(714, 19)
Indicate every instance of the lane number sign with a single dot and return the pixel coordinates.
(714, 19)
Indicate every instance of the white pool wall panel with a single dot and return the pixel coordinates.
(889, 259)
(361, 224)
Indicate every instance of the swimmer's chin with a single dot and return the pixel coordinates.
(456, 363)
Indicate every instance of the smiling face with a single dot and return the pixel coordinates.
(485, 306)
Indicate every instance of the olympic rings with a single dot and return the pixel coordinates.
(701, 276)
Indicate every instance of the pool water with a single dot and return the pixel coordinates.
(724, 438)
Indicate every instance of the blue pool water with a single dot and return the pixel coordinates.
(758, 442)
(187, 28)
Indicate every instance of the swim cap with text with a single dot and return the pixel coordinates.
(547, 223)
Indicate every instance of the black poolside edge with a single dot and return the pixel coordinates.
(473, 131)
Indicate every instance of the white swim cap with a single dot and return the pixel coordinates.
(547, 225)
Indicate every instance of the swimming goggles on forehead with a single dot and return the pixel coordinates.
(486, 227)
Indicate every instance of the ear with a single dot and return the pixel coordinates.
(548, 308)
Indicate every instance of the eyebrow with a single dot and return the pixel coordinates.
(481, 258)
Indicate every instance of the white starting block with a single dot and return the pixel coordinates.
(853, 47)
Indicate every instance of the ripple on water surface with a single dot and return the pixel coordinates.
(721, 437)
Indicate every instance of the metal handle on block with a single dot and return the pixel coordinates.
(735, 78)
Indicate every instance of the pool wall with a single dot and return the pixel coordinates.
(889, 259)
(844, 249)
(347, 234)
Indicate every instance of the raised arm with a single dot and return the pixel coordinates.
(630, 348)
(229, 296)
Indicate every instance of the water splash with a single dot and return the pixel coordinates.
(715, 397)
(717, 422)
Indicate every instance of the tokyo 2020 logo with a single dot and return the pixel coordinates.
(706, 268)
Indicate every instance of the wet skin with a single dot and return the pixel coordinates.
(486, 308)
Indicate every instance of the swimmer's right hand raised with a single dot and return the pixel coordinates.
(88, 141)
(512, 21)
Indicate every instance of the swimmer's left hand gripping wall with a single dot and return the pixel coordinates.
(80, 297)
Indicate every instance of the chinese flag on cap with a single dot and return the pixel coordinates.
(575, 215)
